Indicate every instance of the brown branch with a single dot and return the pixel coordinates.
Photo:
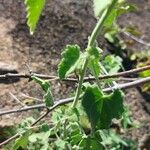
(116, 75)
(68, 100)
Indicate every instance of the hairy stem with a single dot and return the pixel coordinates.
(81, 79)
(91, 43)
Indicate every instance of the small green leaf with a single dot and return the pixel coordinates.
(70, 57)
(100, 108)
(112, 63)
(22, 141)
(94, 60)
(109, 137)
(111, 19)
(44, 84)
(74, 133)
(48, 98)
(125, 7)
(41, 139)
(34, 9)
(61, 144)
(90, 143)
(100, 6)
(111, 35)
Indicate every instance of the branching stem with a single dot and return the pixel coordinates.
(91, 43)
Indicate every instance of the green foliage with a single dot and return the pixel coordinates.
(34, 9)
(90, 143)
(87, 124)
(112, 63)
(48, 98)
(22, 141)
(100, 108)
(39, 140)
(127, 121)
(94, 65)
(68, 64)
(112, 141)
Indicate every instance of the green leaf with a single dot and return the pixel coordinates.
(100, 108)
(111, 19)
(100, 6)
(111, 139)
(44, 84)
(112, 63)
(22, 141)
(90, 143)
(111, 35)
(61, 144)
(125, 7)
(70, 56)
(34, 9)
(127, 121)
(41, 139)
(94, 60)
(74, 133)
(48, 98)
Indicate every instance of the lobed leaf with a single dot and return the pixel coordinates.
(100, 108)
(70, 57)
(34, 9)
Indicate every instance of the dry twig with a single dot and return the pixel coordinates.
(42, 76)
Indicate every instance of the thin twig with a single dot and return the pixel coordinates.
(58, 103)
(136, 39)
(129, 85)
(9, 140)
(36, 99)
(22, 109)
(119, 74)
(15, 98)
(116, 75)
(67, 100)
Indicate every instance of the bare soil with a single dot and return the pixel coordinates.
(61, 23)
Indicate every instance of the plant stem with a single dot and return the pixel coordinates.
(100, 23)
(80, 83)
(91, 43)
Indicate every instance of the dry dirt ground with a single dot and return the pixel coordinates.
(61, 23)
